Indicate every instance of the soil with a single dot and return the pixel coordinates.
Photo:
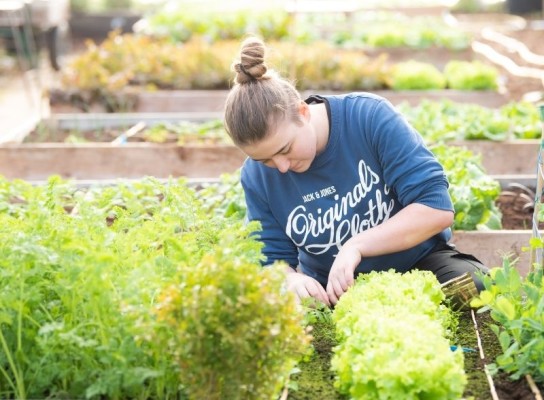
(131, 134)
(516, 203)
(478, 386)
(316, 381)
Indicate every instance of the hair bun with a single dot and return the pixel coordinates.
(251, 66)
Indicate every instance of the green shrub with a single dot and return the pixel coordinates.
(236, 334)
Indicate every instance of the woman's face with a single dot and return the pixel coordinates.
(290, 146)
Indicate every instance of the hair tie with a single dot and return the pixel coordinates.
(245, 72)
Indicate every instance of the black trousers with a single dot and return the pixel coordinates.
(446, 263)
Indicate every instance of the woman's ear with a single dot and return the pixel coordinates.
(304, 110)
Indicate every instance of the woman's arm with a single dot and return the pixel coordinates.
(411, 226)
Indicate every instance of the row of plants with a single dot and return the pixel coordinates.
(93, 308)
(125, 61)
(180, 132)
(132, 291)
(438, 121)
(442, 121)
(492, 368)
(365, 29)
(516, 305)
(372, 361)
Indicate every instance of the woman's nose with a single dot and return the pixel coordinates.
(282, 163)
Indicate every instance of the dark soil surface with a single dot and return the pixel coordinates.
(316, 381)
(506, 388)
(516, 204)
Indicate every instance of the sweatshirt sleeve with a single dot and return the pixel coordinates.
(277, 245)
(410, 168)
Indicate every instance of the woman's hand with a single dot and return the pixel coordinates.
(411, 226)
(305, 286)
(342, 272)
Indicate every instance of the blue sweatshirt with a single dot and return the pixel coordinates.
(373, 165)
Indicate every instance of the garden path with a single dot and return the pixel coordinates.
(22, 102)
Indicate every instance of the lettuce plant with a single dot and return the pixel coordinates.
(415, 75)
(393, 334)
(473, 192)
(471, 75)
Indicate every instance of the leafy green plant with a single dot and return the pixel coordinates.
(180, 25)
(525, 119)
(225, 199)
(415, 75)
(236, 334)
(516, 304)
(389, 30)
(473, 192)
(466, 75)
(445, 120)
(374, 362)
(81, 274)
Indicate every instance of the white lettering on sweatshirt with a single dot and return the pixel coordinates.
(333, 224)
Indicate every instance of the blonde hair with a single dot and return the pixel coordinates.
(259, 97)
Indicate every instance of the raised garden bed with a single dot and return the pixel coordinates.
(108, 157)
(40, 155)
(36, 160)
(214, 100)
(474, 334)
(104, 161)
(506, 159)
(19, 160)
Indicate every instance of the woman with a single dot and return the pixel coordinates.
(341, 185)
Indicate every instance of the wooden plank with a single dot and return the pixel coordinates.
(491, 246)
(214, 100)
(104, 161)
(186, 101)
(513, 157)
(511, 160)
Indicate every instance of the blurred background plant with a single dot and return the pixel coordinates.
(96, 6)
